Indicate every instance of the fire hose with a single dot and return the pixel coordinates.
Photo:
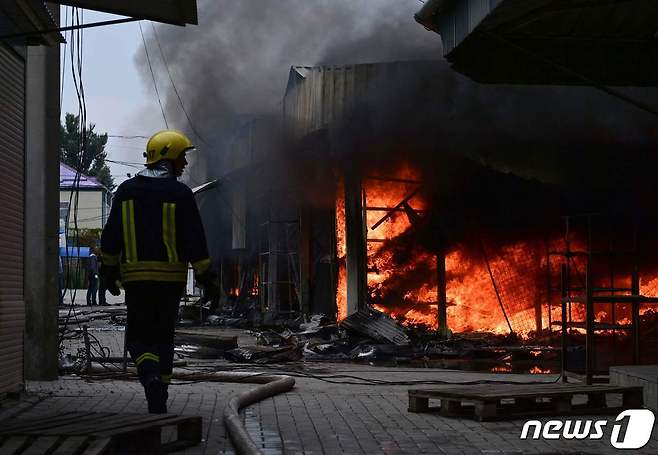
(272, 384)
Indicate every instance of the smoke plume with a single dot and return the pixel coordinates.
(235, 65)
(236, 62)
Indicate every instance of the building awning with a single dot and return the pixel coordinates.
(533, 41)
(28, 17)
(176, 12)
(74, 252)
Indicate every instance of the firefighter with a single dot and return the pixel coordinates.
(154, 230)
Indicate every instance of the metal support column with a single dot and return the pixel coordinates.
(589, 310)
(305, 260)
(442, 298)
(357, 287)
(635, 308)
(564, 280)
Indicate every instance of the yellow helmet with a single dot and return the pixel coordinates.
(166, 145)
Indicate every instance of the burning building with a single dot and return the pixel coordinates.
(446, 205)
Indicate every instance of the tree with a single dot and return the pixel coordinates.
(93, 159)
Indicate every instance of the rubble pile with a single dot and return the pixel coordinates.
(371, 336)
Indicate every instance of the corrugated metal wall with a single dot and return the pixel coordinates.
(324, 96)
(12, 174)
(457, 25)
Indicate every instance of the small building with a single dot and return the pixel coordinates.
(93, 200)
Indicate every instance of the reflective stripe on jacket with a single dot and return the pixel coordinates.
(154, 230)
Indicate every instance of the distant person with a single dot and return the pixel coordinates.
(102, 288)
(60, 279)
(92, 278)
(153, 232)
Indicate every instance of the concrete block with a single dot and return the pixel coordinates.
(645, 376)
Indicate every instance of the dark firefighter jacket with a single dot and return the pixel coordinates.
(154, 231)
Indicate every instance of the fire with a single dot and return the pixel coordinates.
(234, 292)
(402, 276)
(538, 370)
(649, 287)
(502, 369)
(418, 302)
(341, 253)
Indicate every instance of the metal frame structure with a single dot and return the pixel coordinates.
(587, 295)
(279, 239)
(414, 216)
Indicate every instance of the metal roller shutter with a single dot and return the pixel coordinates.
(12, 151)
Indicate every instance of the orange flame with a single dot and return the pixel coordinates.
(519, 269)
(341, 253)
(473, 305)
(538, 370)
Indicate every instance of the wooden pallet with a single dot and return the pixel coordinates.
(91, 433)
(511, 401)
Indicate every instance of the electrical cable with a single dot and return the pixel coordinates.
(126, 163)
(76, 55)
(77, 68)
(371, 381)
(148, 59)
(63, 76)
(120, 136)
(164, 59)
(342, 379)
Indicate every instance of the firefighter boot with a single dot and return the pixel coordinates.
(156, 396)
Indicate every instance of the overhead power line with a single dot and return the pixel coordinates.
(126, 163)
(127, 136)
(164, 59)
(148, 59)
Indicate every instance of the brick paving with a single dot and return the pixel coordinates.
(320, 418)
(316, 417)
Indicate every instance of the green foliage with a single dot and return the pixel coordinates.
(88, 237)
(93, 159)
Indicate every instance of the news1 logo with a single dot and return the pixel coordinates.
(631, 430)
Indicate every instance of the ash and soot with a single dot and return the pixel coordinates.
(490, 169)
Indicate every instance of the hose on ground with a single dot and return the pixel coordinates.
(242, 442)
(270, 385)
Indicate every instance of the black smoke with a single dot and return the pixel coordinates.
(514, 153)
(236, 62)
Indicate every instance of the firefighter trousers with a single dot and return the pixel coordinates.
(152, 313)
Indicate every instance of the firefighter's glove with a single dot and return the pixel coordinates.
(112, 278)
(208, 282)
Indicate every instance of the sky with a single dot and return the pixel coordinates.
(118, 99)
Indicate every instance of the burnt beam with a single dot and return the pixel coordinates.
(441, 292)
(305, 260)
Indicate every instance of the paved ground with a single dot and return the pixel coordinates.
(317, 417)
(79, 296)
